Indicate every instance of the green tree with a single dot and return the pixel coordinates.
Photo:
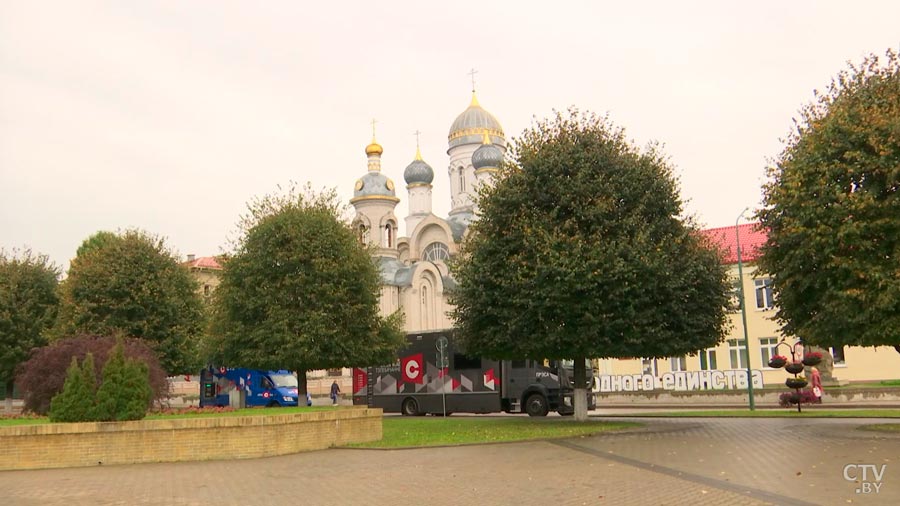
(131, 284)
(77, 401)
(28, 306)
(125, 392)
(580, 251)
(832, 212)
(300, 292)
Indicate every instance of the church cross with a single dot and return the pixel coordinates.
(472, 74)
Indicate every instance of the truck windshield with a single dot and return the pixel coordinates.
(284, 380)
(570, 364)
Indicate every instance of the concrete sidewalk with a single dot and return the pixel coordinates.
(671, 462)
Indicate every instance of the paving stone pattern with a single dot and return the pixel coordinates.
(671, 462)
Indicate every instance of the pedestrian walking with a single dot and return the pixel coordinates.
(335, 392)
(816, 381)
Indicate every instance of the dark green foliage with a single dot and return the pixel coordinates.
(43, 375)
(77, 401)
(300, 292)
(28, 305)
(125, 391)
(580, 251)
(832, 212)
(130, 284)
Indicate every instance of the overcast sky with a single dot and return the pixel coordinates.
(170, 116)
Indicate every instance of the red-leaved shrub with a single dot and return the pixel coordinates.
(43, 375)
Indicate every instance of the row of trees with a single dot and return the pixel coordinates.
(299, 292)
(581, 250)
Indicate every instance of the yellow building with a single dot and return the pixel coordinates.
(698, 372)
(207, 271)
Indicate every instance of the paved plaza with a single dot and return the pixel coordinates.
(668, 462)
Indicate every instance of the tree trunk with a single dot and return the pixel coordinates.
(579, 401)
(301, 384)
(897, 348)
(9, 394)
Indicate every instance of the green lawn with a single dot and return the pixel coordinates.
(400, 432)
(778, 413)
(8, 422)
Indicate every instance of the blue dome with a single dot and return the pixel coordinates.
(487, 156)
(374, 184)
(470, 126)
(418, 172)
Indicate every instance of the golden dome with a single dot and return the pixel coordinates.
(374, 148)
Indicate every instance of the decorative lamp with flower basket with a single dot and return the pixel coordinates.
(794, 367)
(777, 361)
(796, 382)
(812, 358)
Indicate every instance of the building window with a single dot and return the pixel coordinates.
(335, 372)
(361, 232)
(436, 251)
(389, 235)
(678, 364)
(708, 359)
(734, 302)
(206, 290)
(764, 297)
(838, 353)
(767, 349)
(736, 349)
(648, 366)
(462, 180)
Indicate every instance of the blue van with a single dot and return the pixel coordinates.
(258, 388)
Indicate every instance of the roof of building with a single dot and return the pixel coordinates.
(204, 263)
(471, 125)
(752, 237)
(418, 172)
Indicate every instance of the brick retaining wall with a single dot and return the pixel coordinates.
(188, 439)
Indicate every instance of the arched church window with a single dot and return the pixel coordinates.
(462, 180)
(389, 235)
(436, 251)
(361, 231)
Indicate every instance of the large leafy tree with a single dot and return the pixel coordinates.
(580, 251)
(131, 284)
(832, 212)
(300, 292)
(28, 305)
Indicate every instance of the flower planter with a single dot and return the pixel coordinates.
(796, 383)
(794, 368)
(777, 363)
(811, 360)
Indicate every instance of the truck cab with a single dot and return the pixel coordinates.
(537, 387)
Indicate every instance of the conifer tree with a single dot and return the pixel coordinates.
(125, 391)
(76, 401)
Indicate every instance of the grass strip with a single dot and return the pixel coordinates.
(770, 413)
(405, 432)
(195, 413)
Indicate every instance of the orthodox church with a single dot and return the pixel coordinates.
(413, 267)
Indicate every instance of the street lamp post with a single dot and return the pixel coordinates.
(737, 237)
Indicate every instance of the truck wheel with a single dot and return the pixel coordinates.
(536, 405)
(410, 407)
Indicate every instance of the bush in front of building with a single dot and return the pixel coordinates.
(44, 374)
(77, 401)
